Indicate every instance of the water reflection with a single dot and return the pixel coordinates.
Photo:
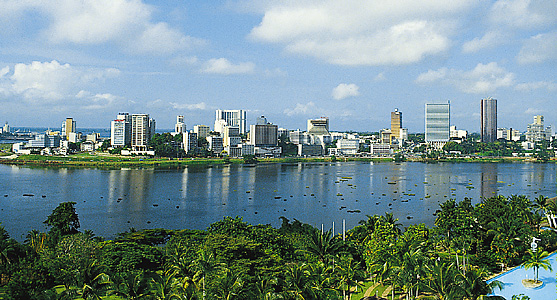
(488, 180)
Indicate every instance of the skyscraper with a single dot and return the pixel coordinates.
(180, 126)
(489, 120)
(142, 129)
(121, 130)
(437, 123)
(318, 126)
(68, 126)
(236, 118)
(396, 124)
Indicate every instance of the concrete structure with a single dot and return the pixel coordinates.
(68, 126)
(437, 124)
(537, 132)
(121, 130)
(190, 141)
(268, 151)
(231, 136)
(215, 144)
(298, 137)
(489, 120)
(318, 126)
(44, 140)
(263, 135)
(143, 129)
(396, 126)
(346, 147)
(180, 126)
(6, 128)
(310, 150)
(261, 120)
(202, 131)
(508, 134)
(74, 137)
(246, 149)
(458, 133)
(235, 118)
(386, 136)
(382, 148)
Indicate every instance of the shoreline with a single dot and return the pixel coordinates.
(102, 160)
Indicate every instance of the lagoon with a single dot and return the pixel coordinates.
(112, 201)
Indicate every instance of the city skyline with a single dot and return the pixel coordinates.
(289, 61)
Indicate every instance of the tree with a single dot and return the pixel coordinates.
(535, 260)
(349, 273)
(64, 219)
(205, 265)
(323, 245)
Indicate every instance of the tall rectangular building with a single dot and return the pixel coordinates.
(68, 126)
(263, 135)
(121, 130)
(190, 141)
(142, 129)
(201, 130)
(180, 126)
(437, 123)
(489, 120)
(235, 118)
(396, 125)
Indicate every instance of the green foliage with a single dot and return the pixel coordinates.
(250, 159)
(129, 257)
(152, 237)
(64, 219)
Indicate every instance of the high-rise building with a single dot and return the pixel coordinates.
(143, 129)
(121, 130)
(396, 125)
(489, 120)
(68, 126)
(236, 118)
(263, 135)
(536, 131)
(180, 126)
(190, 141)
(215, 144)
(231, 136)
(318, 126)
(201, 130)
(437, 123)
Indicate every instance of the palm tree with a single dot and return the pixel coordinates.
(474, 285)
(205, 265)
(133, 286)
(350, 275)
(535, 260)
(229, 286)
(320, 281)
(165, 284)
(297, 279)
(392, 221)
(442, 281)
(323, 245)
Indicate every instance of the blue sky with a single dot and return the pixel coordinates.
(353, 61)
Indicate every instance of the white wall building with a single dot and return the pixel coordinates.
(201, 130)
(236, 118)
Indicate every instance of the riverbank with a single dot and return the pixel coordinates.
(104, 160)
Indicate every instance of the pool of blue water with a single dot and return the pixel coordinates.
(512, 281)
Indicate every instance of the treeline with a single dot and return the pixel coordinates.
(232, 259)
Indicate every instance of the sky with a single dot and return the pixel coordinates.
(353, 61)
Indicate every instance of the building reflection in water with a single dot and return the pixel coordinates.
(488, 184)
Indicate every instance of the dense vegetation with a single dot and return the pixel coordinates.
(232, 259)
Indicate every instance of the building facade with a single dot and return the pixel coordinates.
(489, 120)
(68, 126)
(143, 129)
(235, 118)
(537, 131)
(263, 135)
(318, 126)
(396, 125)
(180, 126)
(201, 130)
(190, 141)
(437, 123)
(121, 130)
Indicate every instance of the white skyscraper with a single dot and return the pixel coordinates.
(142, 129)
(437, 123)
(180, 126)
(235, 118)
(121, 130)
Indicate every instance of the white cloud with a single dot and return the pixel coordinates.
(490, 40)
(5, 70)
(524, 13)
(125, 22)
(302, 109)
(343, 91)
(184, 61)
(534, 111)
(539, 48)
(185, 106)
(225, 67)
(276, 72)
(101, 101)
(380, 77)
(530, 86)
(482, 79)
(51, 81)
(356, 32)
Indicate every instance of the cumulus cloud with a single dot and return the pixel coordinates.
(523, 13)
(302, 109)
(539, 48)
(490, 40)
(482, 79)
(343, 91)
(225, 67)
(530, 86)
(187, 106)
(50, 81)
(356, 32)
(125, 22)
